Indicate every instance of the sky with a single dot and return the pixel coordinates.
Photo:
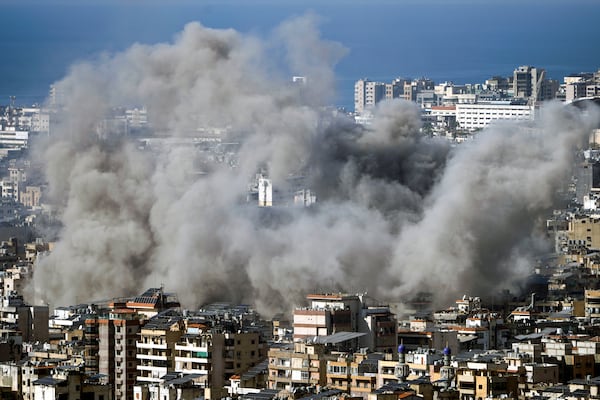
(462, 41)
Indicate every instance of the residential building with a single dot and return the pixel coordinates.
(174, 386)
(201, 354)
(156, 346)
(485, 379)
(328, 313)
(584, 231)
(381, 330)
(117, 337)
(395, 89)
(30, 196)
(302, 366)
(368, 93)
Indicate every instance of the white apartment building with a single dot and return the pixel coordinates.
(35, 119)
(11, 138)
(9, 189)
(193, 353)
(471, 117)
(156, 347)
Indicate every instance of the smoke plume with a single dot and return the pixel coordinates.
(397, 212)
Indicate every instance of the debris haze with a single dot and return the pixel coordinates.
(397, 212)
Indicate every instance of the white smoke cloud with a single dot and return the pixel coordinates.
(397, 212)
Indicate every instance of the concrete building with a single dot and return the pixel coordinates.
(498, 83)
(328, 313)
(368, 93)
(442, 117)
(584, 231)
(476, 379)
(471, 117)
(30, 197)
(11, 138)
(9, 189)
(156, 347)
(174, 386)
(265, 192)
(575, 90)
(66, 383)
(215, 357)
(117, 336)
(592, 303)
(201, 354)
(527, 82)
(381, 330)
(301, 367)
(395, 89)
(30, 321)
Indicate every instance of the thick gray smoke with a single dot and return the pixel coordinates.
(397, 212)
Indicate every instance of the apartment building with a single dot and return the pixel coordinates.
(201, 354)
(368, 93)
(156, 347)
(584, 231)
(91, 345)
(592, 303)
(487, 379)
(117, 350)
(304, 365)
(327, 314)
(332, 313)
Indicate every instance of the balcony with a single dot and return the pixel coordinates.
(141, 345)
(192, 348)
(150, 357)
(152, 368)
(193, 359)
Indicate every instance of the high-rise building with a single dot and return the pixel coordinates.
(395, 89)
(156, 347)
(530, 83)
(117, 350)
(368, 93)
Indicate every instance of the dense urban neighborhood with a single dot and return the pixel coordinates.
(540, 340)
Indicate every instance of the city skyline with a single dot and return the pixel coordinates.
(192, 215)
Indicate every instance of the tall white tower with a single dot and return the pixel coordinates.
(265, 192)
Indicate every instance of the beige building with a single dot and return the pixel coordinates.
(117, 350)
(327, 314)
(302, 366)
(584, 231)
(592, 303)
(30, 196)
(367, 94)
(483, 380)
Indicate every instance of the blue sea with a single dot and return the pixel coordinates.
(464, 41)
